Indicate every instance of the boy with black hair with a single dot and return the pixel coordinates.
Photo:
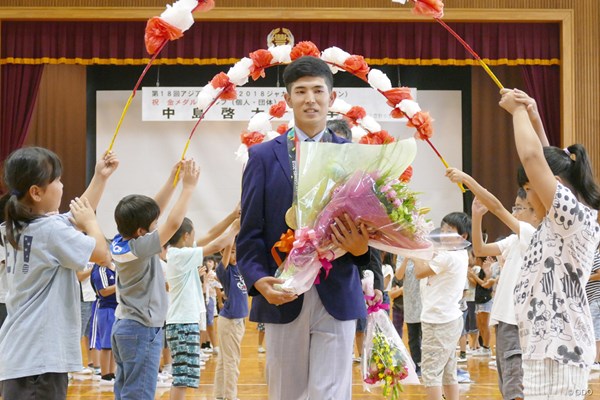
(137, 335)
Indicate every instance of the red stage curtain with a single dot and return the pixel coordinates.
(406, 43)
(20, 84)
(543, 84)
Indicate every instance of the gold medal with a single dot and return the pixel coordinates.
(290, 217)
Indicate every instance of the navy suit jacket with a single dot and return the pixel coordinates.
(266, 196)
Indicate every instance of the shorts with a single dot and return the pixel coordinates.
(549, 379)
(102, 329)
(184, 343)
(595, 311)
(484, 307)
(86, 317)
(509, 361)
(438, 352)
(210, 312)
(361, 325)
(470, 321)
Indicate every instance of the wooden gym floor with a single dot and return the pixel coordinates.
(251, 384)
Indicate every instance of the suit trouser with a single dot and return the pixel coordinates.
(310, 357)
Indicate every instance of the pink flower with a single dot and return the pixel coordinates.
(397, 203)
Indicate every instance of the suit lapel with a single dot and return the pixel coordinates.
(281, 154)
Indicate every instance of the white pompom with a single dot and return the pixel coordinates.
(178, 17)
(238, 74)
(340, 106)
(409, 107)
(271, 135)
(370, 124)
(260, 122)
(334, 55)
(206, 96)
(357, 133)
(379, 80)
(281, 54)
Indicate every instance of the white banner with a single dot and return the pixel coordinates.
(179, 103)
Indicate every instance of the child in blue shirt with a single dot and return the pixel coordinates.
(103, 282)
(231, 327)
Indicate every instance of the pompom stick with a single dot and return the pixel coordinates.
(132, 95)
(460, 185)
(473, 53)
(187, 144)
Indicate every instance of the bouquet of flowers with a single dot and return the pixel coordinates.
(362, 182)
(385, 361)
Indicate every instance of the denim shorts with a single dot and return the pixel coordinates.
(484, 307)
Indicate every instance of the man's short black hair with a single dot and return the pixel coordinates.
(135, 211)
(307, 66)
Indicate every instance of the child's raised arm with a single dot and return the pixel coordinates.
(191, 174)
(103, 170)
(487, 199)
(85, 219)
(534, 115)
(223, 241)
(480, 248)
(219, 228)
(530, 150)
(166, 191)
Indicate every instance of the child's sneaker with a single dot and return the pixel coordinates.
(596, 366)
(162, 383)
(493, 365)
(461, 358)
(483, 352)
(107, 382)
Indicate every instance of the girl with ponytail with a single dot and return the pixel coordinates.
(39, 340)
(553, 315)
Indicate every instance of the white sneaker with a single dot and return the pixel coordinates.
(165, 375)
(492, 365)
(481, 352)
(595, 366)
(204, 356)
(261, 349)
(207, 350)
(85, 371)
(162, 383)
(461, 359)
(97, 377)
(107, 382)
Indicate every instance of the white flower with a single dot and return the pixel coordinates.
(340, 106)
(334, 55)
(241, 154)
(370, 124)
(357, 133)
(180, 14)
(260, 122)
(206, 96)
(281, 54)
(409, 107)
(271, 135)
(238, 74)
(379, 80)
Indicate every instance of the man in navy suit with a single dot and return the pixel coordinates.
(308, 337)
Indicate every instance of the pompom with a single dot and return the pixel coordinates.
(379, 80)
(239, 73)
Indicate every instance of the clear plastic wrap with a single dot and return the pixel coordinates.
(361, 181)
(385, 360)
